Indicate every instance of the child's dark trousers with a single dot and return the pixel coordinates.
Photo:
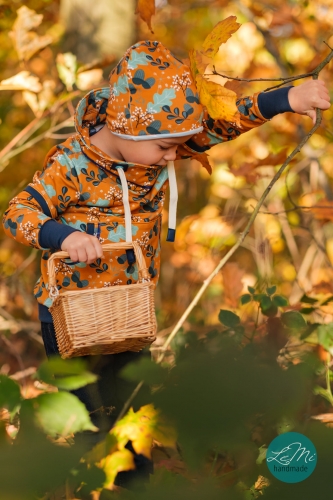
(105, 399)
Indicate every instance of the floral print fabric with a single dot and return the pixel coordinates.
(152, 93)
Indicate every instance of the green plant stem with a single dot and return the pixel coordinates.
(328, 382)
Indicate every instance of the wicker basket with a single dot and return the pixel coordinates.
(104, 320)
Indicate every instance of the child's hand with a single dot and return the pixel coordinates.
(82, 247)
(305, 98)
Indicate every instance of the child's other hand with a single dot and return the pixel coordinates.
(305, 98)
(82, 247)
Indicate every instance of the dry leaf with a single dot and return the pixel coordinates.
(203, 159)
(323, 210)
(220, 34)
(27, 42)
(326, 418)
(198, 62)
(22, 81)
(146, 9)
(219, 101)
(232, 283)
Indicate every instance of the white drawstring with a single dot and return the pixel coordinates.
(127, 208)
(173, 201)
(172, 204)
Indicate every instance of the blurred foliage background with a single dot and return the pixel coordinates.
(52, 53)
(72, 49)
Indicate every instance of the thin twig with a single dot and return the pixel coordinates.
(314, 74)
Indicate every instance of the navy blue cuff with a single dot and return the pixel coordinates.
(53, 233)
(274, 102)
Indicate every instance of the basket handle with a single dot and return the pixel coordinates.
(143, 271)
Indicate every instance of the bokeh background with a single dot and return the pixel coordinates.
(291, 242)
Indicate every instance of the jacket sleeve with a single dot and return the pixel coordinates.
(43, 200)
(217, 131)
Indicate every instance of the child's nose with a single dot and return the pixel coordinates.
(171, 154)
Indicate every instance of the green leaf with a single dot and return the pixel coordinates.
(311, 328)
(307, 310)
(262, 455)
(259, 296)
(246, 298)
(293, 319)
(228, 318)
(251, 289)
(280, 301)
(325, 336)
(265, 302)
(67, 374)
(308, 300)
(10, 395)
(61, 413)
(271, 290)
(146, 370)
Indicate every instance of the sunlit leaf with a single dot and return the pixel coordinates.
(198, 62)
(220, 34)
(142, 427)
(23, 80)
(27, 42)
(219, 101)
(67, 66)
(325, 336)
(118, 461)
(61, 413)
(66, 374)
(146, 9)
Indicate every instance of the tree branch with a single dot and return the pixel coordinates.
(243, 235)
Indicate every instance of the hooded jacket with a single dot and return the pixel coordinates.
(80, 189)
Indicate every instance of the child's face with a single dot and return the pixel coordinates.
(151, 152)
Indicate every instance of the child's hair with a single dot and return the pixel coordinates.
(152, 95)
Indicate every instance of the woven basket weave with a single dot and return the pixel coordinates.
(104, 320)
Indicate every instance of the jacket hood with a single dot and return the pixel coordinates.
(152, 95)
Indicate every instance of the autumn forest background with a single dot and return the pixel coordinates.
(266, 317)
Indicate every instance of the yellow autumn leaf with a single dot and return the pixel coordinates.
(142, 428)
(220, 34)
(102, 449)
(116, 462)
(219, 101)
(146, 9)
(198, 62)
(22, 81)
(27, 42)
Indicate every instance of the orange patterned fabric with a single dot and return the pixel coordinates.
(80, 187)
(152, 93)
